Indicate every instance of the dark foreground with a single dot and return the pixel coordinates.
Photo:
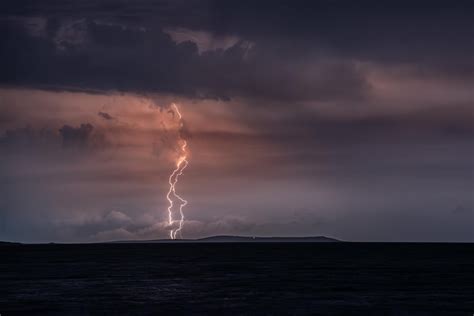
(275, 279)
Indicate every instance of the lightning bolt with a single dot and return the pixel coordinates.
(181, 164)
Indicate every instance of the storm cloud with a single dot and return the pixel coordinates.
(211, 50)
(356, 117)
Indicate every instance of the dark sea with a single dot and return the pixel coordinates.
(237, 279)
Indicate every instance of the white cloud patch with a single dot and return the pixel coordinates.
(114, 234)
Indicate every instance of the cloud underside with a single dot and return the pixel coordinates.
(310, 54)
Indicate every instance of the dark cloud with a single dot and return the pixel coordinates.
(462, 210)
(397, 31)
(298, 52)
(105, 116)
(76, 136)
(28, 138)
(48, 140)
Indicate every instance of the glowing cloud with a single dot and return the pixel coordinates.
(181, 164)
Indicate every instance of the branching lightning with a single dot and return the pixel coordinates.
(181, 164)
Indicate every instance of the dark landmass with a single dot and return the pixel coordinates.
(211, 239)
(267, 239)
(231, 239)
(8, 243)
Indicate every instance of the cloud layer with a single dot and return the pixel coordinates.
(333, 118)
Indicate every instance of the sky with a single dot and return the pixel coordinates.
(346, 119)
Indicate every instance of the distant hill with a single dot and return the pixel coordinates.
(242, 239)
(7, 243)
(267, 239)
(218, 239)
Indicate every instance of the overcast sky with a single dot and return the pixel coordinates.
(350, 119)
